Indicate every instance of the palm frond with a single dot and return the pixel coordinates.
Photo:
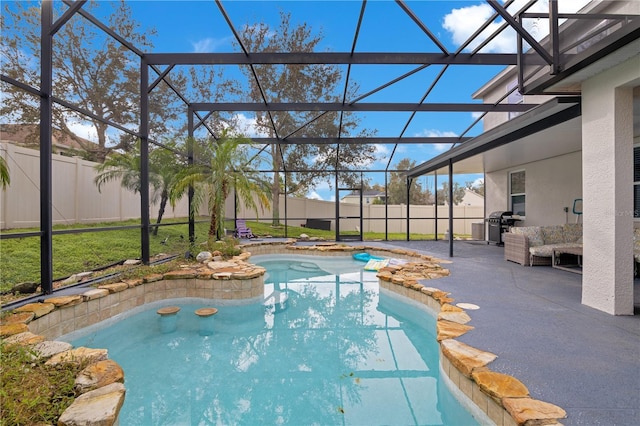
(5, 179)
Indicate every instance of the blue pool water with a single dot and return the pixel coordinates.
(325, 348)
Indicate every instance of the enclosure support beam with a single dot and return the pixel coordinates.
(409, 182)
(338, 58)
(144, 162)
(435, 203)
(450, 207)
(286, 212)
(361, 208)
(337, 207)
(192, 222)
(386, 206)
(554, 37)
(46, 202)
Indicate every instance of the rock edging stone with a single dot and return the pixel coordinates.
(504, 399)
(99, 385)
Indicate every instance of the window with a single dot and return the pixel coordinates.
(516, 192)
(636, 182)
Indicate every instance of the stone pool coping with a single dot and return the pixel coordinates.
(502, 398)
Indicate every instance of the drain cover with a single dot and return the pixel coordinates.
(469, 306)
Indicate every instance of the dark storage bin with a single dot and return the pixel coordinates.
(318, 224)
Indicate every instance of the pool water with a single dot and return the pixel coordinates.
(325, 348)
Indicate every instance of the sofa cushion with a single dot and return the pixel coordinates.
(542, 251)
(553, 234)
(547, 249)
(533, 234)
(572, 232)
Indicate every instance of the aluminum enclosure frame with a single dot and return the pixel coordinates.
(152, 61)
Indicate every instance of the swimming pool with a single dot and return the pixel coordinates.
(326, 347)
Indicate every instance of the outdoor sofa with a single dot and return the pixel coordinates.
(534, 245)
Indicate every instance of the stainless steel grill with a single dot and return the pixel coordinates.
(499, 222)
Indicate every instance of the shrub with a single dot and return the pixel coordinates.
(228, 246)
(32, 392)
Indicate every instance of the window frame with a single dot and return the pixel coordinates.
(517, 194)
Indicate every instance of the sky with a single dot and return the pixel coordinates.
(198, 26)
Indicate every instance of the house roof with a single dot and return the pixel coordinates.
(29, 135)
(549, 114)
(366, 193)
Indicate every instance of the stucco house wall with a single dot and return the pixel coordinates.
(550, 185)
(607, 128)
(496, 89)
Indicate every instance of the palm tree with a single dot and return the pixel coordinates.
(5, 179)
(164, 166)
(222, 173)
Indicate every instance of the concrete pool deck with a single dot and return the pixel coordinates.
(568, 354)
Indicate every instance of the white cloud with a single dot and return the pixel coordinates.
(323, 184)
(440, 147)
(401, 148)
(430, 133)
(247, 126)
(85, 131)
(476, 114)
(325, 196)
(478, 181)
(381, 149)
(381, 155)
(314, 195)
(463, 22)
(209, 44)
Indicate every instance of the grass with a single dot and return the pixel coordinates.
(32, 392)
(73, 253)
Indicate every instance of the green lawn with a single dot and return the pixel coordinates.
(74, 253)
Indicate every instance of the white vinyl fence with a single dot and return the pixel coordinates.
(76, 199)
(75, 196)
(422, 218)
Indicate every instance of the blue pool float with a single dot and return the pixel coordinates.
(365, 257)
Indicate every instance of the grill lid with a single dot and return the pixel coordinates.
(500, 214)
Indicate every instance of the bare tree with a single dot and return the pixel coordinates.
(443, 193)
(477, 187)
(92, 70)
(302, 83)
(397, 186)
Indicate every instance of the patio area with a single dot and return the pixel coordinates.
(574, 356)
